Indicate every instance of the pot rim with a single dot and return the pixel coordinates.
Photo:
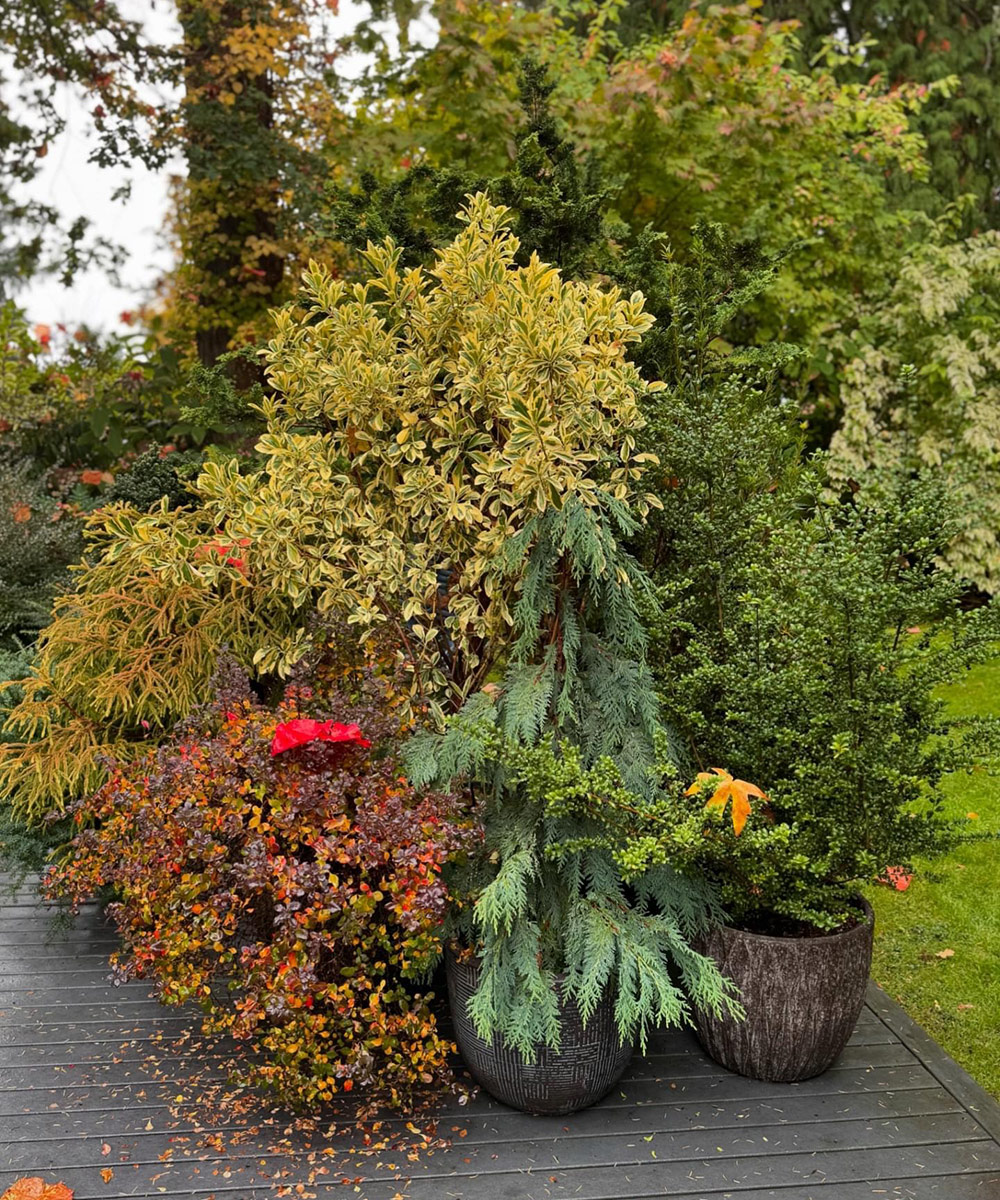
(476, 959)
(866, 924)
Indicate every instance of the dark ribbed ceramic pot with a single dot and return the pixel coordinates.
(588, 1064)
(803, 997)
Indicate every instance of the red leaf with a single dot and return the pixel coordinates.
(301, 731)
(897, 877)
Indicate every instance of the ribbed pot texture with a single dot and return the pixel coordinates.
(803, 997)
(588, 1064)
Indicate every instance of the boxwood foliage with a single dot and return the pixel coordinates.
(799, 635)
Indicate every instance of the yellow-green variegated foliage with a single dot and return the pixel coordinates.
(423, 422)
(922, 390)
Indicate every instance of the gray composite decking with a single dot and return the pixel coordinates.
(96, 1078)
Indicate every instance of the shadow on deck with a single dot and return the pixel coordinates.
(105, 1090)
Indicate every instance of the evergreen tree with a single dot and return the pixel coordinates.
(921, 389)
(728, 450)
(557, 206)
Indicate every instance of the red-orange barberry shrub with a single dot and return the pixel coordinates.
(276, 867)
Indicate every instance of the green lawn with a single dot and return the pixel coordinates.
(953, 903)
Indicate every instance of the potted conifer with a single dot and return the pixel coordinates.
(563, 955)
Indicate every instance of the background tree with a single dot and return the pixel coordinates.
(921, 389)
(919, 42)
(98, 52)
(239, 124)
(713, 117)
(718, 121)
(557, 202)
(924, 41)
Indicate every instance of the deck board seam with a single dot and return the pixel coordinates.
(134, 1134)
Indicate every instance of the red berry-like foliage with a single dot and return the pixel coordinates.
(296, 896)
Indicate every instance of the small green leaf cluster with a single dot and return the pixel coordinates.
(24, 846)
(152, 477)
(38, 541)
(822, 688)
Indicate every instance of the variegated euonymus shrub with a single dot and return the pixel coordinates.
(451, 452)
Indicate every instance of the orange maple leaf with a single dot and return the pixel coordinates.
(726, 788)
(37, 1189)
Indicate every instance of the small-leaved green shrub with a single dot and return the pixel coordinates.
(797, 640)
(39, 539)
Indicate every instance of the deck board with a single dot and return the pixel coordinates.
(96, 1077)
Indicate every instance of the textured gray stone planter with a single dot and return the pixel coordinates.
(588, 1064)
(803, 997)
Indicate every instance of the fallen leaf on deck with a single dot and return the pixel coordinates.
(35, 1188)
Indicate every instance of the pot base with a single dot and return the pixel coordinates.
(803, 997)
(588, 1064)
